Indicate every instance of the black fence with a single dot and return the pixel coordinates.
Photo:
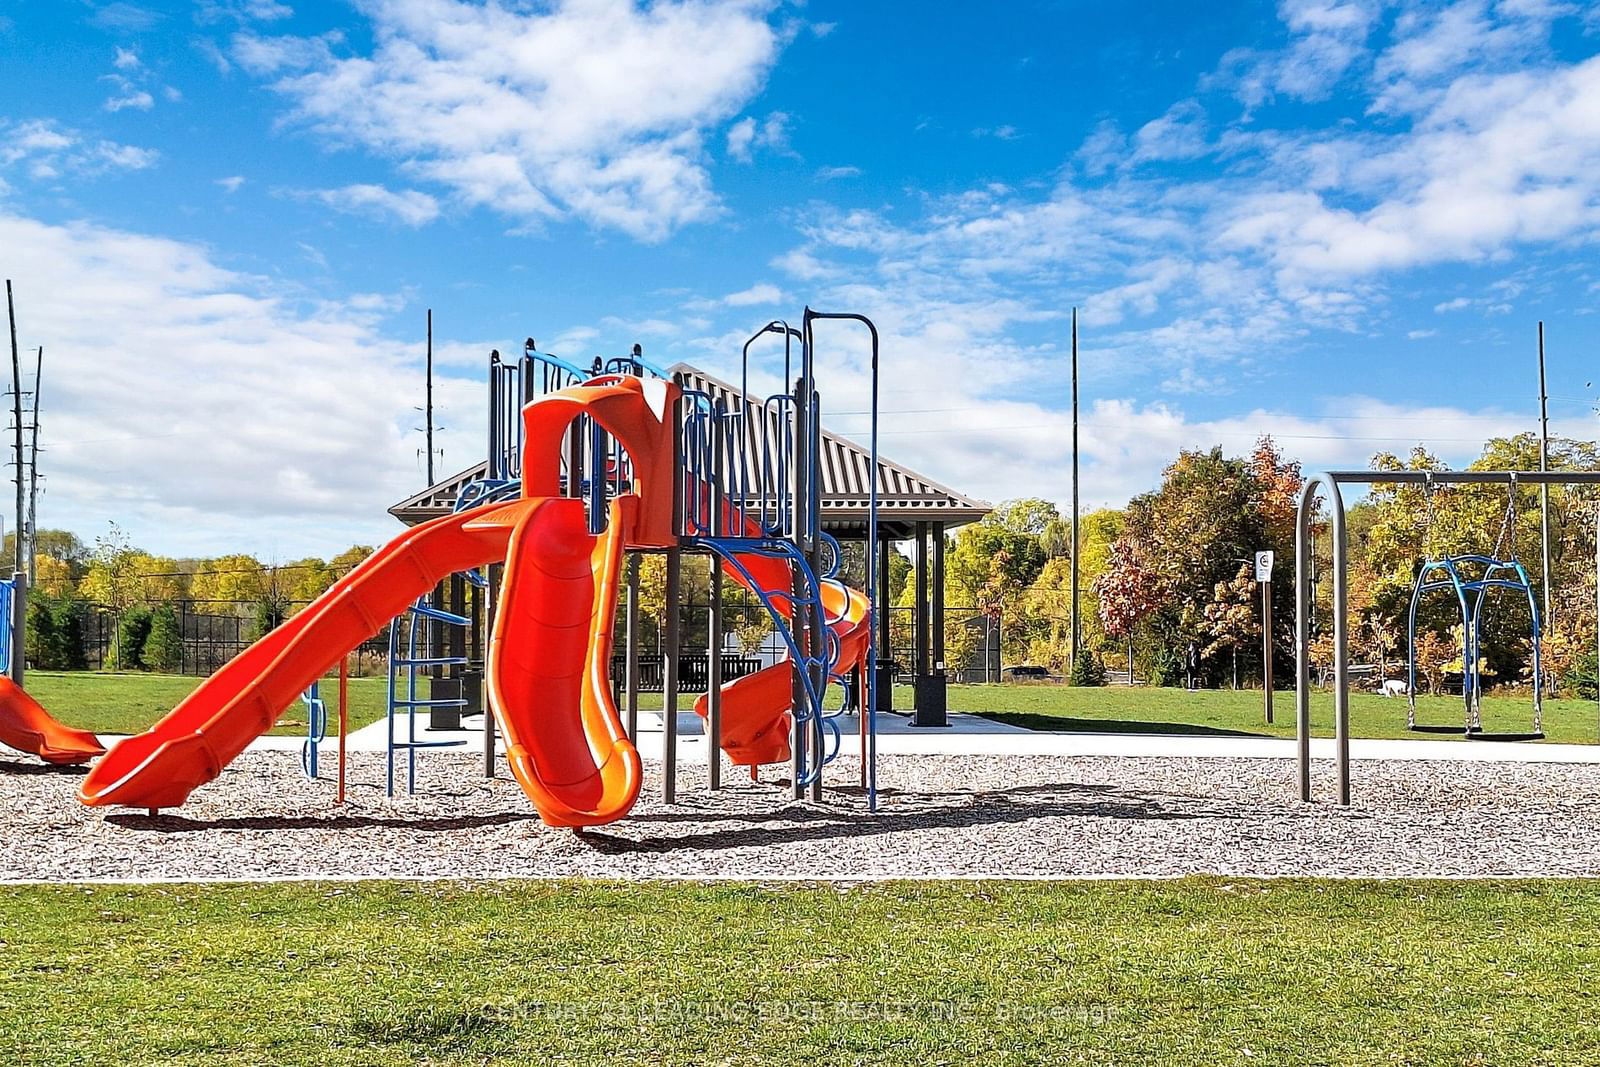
(209, 640)
(694, 671)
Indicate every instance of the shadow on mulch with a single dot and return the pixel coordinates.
(180, 824)
(1015, 805)
(68, 770)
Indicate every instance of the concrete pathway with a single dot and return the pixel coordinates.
(977, 736)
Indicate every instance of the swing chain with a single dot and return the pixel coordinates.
(1508, 524)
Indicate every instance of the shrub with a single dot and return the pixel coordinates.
(163, 647)
(127, 654)
(1087, 670)
(66, 616)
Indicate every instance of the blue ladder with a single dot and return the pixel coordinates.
(421, 611)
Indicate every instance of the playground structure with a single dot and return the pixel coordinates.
(1470, 592)
(1471, 578)
(616, 458)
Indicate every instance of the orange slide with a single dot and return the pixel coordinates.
(26, 726)
(756, 708)
(549, 651)
(552, 645)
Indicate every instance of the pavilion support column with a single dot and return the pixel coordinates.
(885, 664)
(929, 707)
(919, 626)
(931, 691)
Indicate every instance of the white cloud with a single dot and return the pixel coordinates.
(1326, 39)
(136, 100)
(125, 59)
(589, 108)
(747, 134)
(408, 205)
(1179, 134)
(48, 150)
(999, 133)
(1496, 161)
(203, 409)
(761, 293)
(831, 174)
(232, 183)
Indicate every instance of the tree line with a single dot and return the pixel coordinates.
(143, 593)
(1168, 589)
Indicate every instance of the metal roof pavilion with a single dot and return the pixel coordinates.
(905, 497)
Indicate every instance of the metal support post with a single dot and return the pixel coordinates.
(631, 648)
(669, 677)
(714, 678)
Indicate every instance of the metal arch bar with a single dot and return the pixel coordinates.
(1331, 480)
(870, 710)
(1302, 619)
(1416, 477)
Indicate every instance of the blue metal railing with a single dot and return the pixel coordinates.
(8, 590)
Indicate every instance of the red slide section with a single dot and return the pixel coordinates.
(551, 644)
(203, 734)
(756, 708)
(551, 649)
(26, 726)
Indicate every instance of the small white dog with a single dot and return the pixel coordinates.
(1395, 687)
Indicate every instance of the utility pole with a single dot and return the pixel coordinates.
(1072, 658)
(16, 411)
(429, 413)
(1544, 490)
(33, 474)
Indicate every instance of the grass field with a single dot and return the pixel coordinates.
(1143, 709)
(129, 703)
(1191, 972)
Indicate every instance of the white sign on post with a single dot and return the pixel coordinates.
(1263, 566)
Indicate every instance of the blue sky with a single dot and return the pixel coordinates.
(1336, 221)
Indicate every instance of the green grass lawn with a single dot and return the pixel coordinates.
(1189, 972)
(1144, 709)
(129, 703)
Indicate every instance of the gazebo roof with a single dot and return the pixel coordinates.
(904, 496)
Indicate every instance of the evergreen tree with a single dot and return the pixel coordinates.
(163, 647)
(44, 649)
(66, 618)
(133, 629)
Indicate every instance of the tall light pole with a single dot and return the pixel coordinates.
(1544, 490)
(1072, 659)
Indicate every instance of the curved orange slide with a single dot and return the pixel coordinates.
(756, 709)
(213, 724)
(551, 643)
(26, 726)
(551, 648)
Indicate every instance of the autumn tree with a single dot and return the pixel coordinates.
(1232, 619)
(232, 579)
(1128, 591)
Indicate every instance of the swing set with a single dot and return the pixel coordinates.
(1471, 578)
